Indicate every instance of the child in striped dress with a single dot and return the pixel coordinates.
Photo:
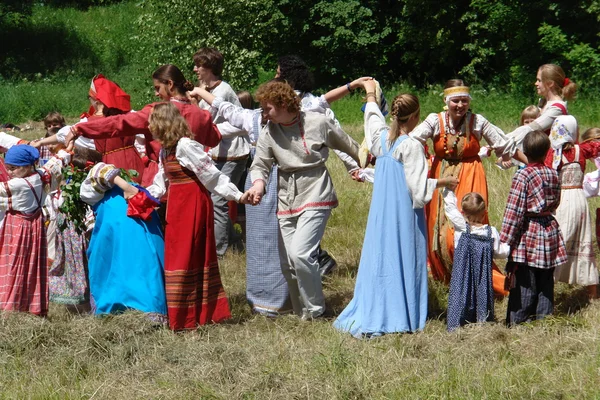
(23, 260)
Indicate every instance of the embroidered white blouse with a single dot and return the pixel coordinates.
(191, 155)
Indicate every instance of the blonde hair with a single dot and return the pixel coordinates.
(554, 73)
(280, 94)
(404, 107)
(168, 126)
(591, 134)
(530, 112)
(473, 207)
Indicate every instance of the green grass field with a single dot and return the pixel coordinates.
(69, 356)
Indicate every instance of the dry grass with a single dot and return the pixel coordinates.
(253, 357)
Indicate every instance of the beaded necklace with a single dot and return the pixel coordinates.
(456, 132)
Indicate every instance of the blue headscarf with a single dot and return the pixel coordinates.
(22, 155)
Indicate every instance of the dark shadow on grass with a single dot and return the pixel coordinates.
(569, 300)
(336, 302)
(240, 309)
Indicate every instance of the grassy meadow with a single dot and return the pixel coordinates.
(70, 356)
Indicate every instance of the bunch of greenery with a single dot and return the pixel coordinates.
(73, 207)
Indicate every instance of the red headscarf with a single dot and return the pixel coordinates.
(108, 93)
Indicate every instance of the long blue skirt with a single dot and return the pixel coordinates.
(391, 286)
(126, 260)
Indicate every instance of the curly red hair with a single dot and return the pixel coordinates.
(280, 94)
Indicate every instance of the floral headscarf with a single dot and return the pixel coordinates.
(564, 130)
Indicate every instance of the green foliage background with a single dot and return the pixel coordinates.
(52, 48)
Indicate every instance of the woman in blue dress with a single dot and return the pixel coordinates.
(391, 287)
(125, 254)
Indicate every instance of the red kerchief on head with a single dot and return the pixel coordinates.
(109, 94)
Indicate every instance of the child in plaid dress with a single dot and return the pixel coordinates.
(534, 237)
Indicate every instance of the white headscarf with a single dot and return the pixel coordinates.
(564, 130)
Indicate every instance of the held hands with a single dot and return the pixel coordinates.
(255, 193)
(360, 82)
(245, 199)
(355, 175)
(505, 162)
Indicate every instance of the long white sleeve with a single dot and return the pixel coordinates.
(82, 142)
(7, 141)
(190, 154)
(452, 212)
(159, 183)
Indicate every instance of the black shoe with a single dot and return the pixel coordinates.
(326, 263)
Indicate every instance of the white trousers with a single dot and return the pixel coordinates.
(299, 239)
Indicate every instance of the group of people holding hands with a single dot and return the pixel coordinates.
(154, 239)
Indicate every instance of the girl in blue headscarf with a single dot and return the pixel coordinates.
(23, 261)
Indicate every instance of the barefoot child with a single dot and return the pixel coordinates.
(471, 297)
(531, 231)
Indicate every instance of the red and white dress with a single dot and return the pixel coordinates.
(195, 295)
(23, 259)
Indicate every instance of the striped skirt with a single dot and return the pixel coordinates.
(23, 264)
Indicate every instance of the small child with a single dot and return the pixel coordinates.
(23, 261)
(471, 297)
(52, 123)
(67, 263)
(529, 228)
(529, 114)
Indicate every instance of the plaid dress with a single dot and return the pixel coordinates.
(23, 264)
(529, 227)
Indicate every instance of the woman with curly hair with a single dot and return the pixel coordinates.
(299, 143)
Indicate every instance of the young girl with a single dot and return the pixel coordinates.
(573, 214)
(68, 269)
(53, 122)
(23, 260)
(471, 298)
(195, 295)
(391, 286)
(125, 255)
(299, 143)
